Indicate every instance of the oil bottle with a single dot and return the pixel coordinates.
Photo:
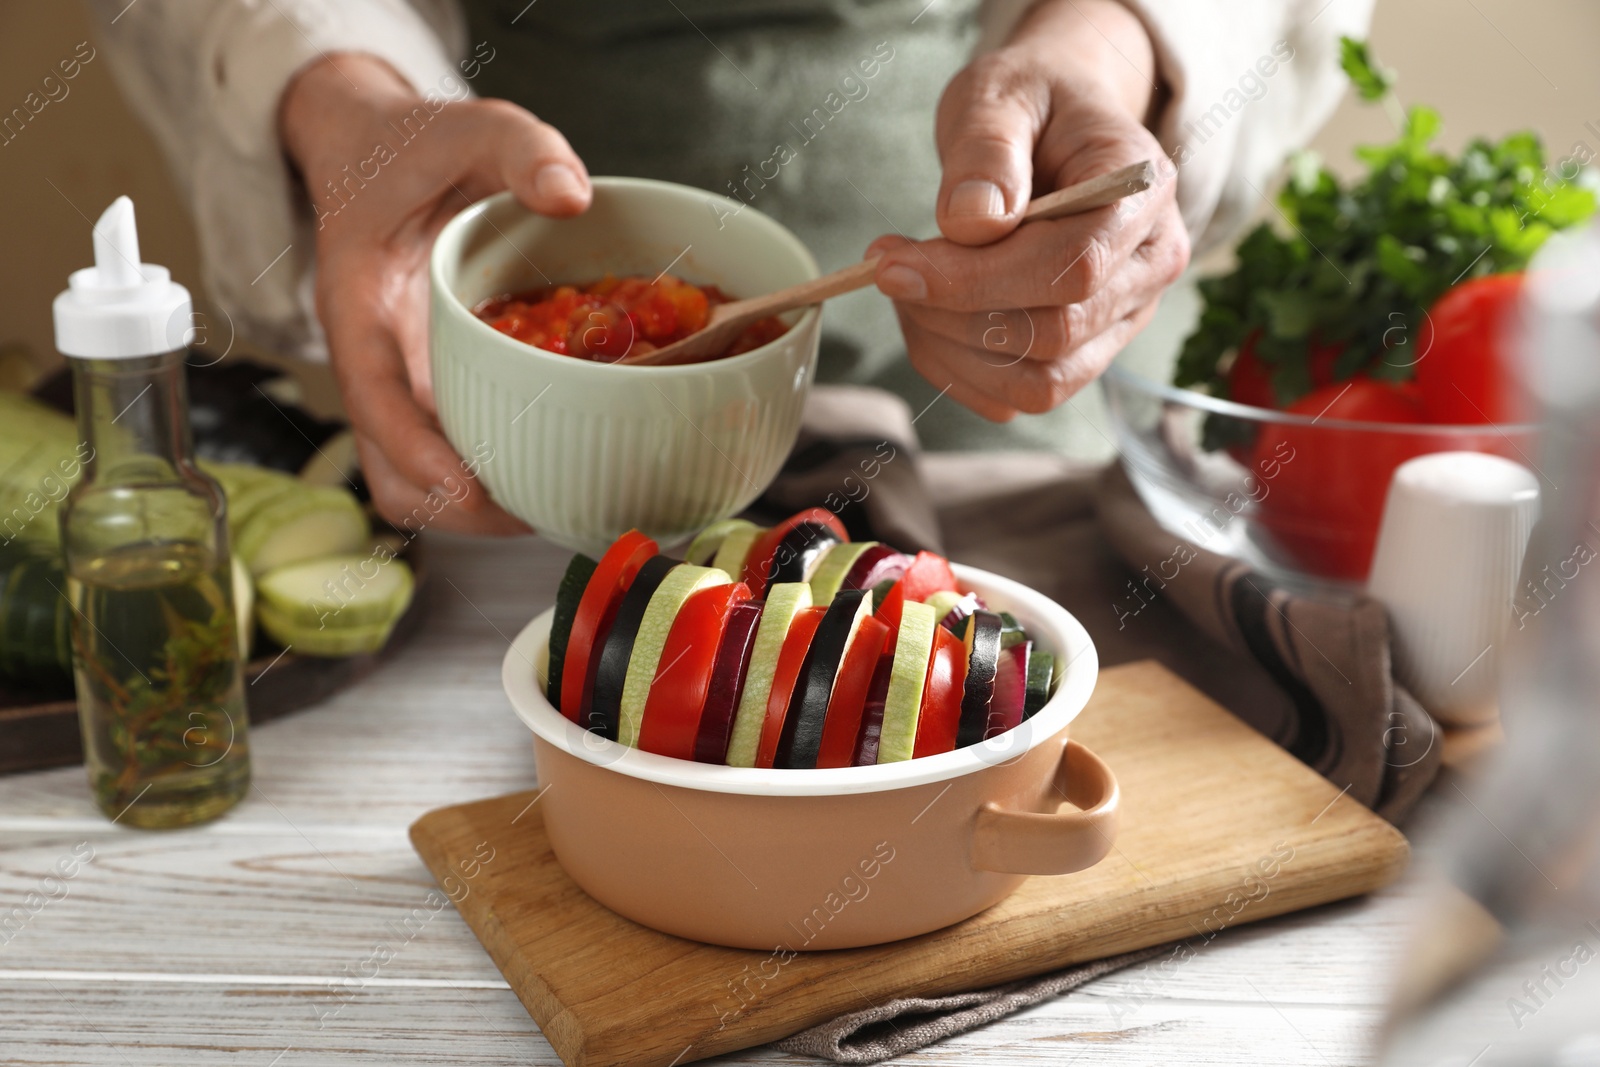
(155, 637)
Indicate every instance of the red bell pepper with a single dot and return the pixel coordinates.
(939, 720)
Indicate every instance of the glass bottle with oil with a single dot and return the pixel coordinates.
(155, 636)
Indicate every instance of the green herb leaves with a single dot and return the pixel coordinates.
(1362, 262)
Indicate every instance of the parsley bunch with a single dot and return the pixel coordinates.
(1363, 262)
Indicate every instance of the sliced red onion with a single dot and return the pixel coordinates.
(1010, 691)
(964, 607)
(728, 672)
(872, 715)
(880, 563)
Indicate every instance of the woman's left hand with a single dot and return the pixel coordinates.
(1011, 322)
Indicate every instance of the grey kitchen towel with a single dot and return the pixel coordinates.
(909, 1023)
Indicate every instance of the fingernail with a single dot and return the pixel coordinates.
(902, 283)
(557, 181)
(976, 197)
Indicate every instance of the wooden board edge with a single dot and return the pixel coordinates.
(430, 836)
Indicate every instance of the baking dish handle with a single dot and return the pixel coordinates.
(1028, 842)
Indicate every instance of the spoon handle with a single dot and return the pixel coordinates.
(1073, 200)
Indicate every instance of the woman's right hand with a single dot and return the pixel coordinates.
(385, 173)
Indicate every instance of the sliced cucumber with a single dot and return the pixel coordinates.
(568, 594)
(735, 547)
(1041, 676)
(665, 603)
(835, 567)
(307, 524)
(703, 549)
(784, 601)
(338, 606)
(903, 703)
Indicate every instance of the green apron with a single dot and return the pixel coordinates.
(818, 113)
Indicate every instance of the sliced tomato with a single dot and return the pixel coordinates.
(927, 575)
(678, 692)
(758, 563)
(596, 610)
(790, 662)
(940, 718)
(888, 613)
(849, 698)
(1468, 375)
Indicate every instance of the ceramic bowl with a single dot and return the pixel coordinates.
(584, 451)
(821, 859)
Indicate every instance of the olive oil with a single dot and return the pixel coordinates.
(160, 694)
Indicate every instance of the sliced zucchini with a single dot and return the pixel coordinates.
(665, 603)
(784, 601)
(703, 549)
(903, 703)
(1041, 677)
(310, 523)
(835, 567)
(568, 594)
(337, 606)
(1011, 631)
(943, 602)
(244, 605)
(735, 547)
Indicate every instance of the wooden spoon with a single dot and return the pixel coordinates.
(729, 320)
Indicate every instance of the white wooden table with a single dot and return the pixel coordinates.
(251, 941)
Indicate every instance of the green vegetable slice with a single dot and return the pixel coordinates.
(735, 547)
(568, 594)
(308, 524)
(1041, 670)
(338, 606)
(703, 549)
(244, 605)
(683, 582)
(835, 568)
(1011, 631)
(907, 676)
(784, 601)
(943, 602)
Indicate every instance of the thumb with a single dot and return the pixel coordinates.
(539, 166)
(986, 136)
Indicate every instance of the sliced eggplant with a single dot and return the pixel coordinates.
(798, 554)
(801, 739)
(981, 634)
(1041, 677)
(728, 673)
(610, 667)
(568, 594)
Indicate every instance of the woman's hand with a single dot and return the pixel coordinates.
(1018, 322)
(385, 173)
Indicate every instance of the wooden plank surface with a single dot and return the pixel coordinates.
(219, 954)
(1220, 827)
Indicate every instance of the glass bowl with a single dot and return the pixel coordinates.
(1298, 497)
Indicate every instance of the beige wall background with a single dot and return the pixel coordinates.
(1490, 65)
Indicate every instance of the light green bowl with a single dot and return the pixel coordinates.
(585, 451)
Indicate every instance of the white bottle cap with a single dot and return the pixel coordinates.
(121, 308)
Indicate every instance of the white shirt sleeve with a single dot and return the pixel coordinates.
(1250, 82)
(207, 75)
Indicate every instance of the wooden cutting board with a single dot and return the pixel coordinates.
(1220, 827)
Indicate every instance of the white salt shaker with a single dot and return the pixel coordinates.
(1455, 528)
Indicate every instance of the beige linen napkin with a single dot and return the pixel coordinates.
(1314, 677)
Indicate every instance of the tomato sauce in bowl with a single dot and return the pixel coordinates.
(613, 317)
